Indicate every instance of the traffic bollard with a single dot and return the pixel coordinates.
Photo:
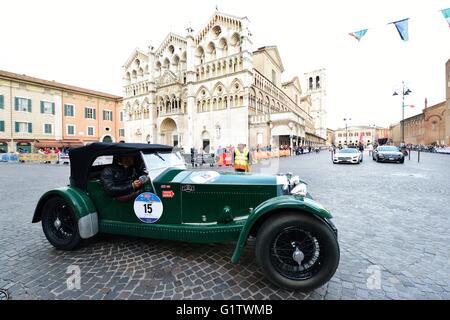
(418, 156)
(409, 154)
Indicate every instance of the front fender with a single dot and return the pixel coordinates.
(298, 203)
(81, 204)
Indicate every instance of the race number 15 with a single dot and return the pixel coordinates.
(148, 208)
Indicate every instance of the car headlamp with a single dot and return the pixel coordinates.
(295, 180)
(300, 189)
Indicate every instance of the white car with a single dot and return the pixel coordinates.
(348, 155)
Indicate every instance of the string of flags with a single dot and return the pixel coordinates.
(401, 26)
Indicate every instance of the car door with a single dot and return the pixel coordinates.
(108, 208)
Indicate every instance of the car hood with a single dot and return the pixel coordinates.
(339, 154)
(216, 177)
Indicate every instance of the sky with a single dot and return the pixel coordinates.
(86, 42)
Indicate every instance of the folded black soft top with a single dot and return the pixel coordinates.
(82, 158)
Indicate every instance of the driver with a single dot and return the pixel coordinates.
(122, 178)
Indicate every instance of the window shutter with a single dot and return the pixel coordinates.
(85, 113)
(16, 124)
(16, 103)
(30, 127)
(29, 105)
(65, 110)
(104, 115)
(2, 126)
(53, 108)
(42, 106)
(2, 101)
(111, 114)
(94, 113)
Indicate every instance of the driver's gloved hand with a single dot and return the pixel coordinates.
(144, 179)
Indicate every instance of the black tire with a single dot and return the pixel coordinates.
(402, 161)
(60, 225)
(283, 271)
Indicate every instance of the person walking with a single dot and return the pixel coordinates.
(241, 158)
(370, 149)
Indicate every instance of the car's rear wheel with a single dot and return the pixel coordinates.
(297, 251)
(60, 224)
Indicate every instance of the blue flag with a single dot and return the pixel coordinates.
(446, 13)
(358, 34)
(402, 28)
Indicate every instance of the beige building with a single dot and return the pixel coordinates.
(211, 89)
(36, 113)
(330, 137)
(353, 135)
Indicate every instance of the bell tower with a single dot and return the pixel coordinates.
(316, 89)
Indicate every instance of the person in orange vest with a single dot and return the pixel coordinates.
(241, 158)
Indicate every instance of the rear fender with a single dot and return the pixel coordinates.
(81, 205)
(303, 205)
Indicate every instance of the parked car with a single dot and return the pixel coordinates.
(388, 154)
(296, 242)
(348, 155)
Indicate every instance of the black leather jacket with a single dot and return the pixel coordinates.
(117, 180)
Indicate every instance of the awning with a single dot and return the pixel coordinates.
(58, 144)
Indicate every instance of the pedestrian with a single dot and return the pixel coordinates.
(370, 149)
(241, 158)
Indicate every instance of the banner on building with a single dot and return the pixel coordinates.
(37, 157)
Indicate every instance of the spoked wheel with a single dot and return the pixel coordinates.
(297, 251)
(60, 225)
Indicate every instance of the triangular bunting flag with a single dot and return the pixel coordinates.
(358, 34)
(446, 13)
(402, 28)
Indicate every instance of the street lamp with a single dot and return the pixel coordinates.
(346, 130)
(405, 92)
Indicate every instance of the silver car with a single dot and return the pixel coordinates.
(348, 155)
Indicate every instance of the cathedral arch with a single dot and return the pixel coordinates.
(211, 49)
(219, 89)
(203, 92)
(223, 46)
(200, 55)
(216, 31)
(236, 86)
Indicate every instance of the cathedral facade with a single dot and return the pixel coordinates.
(210, 89)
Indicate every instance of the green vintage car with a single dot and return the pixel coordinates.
(296, 243)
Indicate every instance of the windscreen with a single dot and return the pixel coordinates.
(157, 162)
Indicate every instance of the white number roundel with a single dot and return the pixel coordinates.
(148, 207)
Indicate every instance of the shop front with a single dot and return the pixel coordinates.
(23, 147)
(3, 147)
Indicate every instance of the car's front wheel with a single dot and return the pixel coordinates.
(60, 225)
(297, 251)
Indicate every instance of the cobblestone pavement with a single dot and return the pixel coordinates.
(393, 223)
